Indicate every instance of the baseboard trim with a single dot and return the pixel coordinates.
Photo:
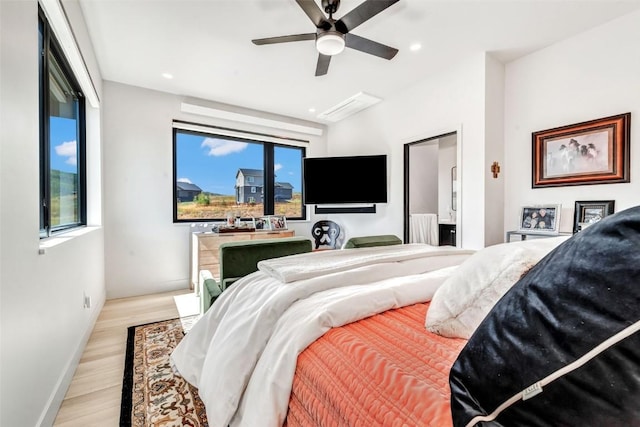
(50, 411)
(148, 288)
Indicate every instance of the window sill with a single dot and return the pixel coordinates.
(61, 238)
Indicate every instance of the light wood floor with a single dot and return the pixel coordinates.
(93, 398)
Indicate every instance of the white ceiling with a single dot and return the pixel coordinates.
(206, 45)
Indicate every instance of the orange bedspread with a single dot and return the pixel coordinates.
(385, 370)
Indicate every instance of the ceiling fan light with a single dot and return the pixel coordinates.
(331, 43)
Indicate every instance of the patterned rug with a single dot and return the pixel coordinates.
(152, 394)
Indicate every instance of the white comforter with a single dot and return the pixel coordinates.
(242, 353)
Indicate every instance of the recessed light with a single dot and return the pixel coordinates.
(312, 110)
(167, 76)
(415, 46)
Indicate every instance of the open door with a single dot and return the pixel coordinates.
(432, 191)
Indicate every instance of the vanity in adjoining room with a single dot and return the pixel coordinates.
(447, 233)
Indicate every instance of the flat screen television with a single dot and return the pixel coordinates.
(344, 180)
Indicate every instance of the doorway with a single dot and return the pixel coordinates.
(431, 190)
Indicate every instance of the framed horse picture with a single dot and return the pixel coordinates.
(593, 152)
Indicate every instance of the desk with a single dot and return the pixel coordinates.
(523, 235)
(205, 247)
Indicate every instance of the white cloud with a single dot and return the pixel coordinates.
(277, 167)
(187, 180)
(222, 147)
(68, 149)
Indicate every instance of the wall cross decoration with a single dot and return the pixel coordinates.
(495, 169)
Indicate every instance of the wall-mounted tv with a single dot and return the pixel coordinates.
(343, 180)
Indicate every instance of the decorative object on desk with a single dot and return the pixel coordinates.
(593, 152)
(277, 222)
(495, 169)
(243, 228)
(231, 219)
(261, 223)
(326, 234)
(544, 219)
(590, 212)
(238, 226)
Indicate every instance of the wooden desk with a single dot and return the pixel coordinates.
(205, 249)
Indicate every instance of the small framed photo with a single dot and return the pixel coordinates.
(543, 219)
(277, 222)
(261, 224)
(589, 212)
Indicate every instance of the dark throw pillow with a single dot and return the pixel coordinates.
(582, 293)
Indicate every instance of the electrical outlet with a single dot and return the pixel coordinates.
(87, 301)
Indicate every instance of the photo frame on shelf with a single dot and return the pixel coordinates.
(589, 212)
(593, 152)
(542, 219)
(277, 222)
(261, 223)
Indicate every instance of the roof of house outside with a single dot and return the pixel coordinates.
(187, 186)
(250, 172)
(284, 185)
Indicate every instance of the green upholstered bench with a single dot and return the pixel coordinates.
(369, 241)
(237, 259)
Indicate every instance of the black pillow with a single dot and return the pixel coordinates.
(582, 293)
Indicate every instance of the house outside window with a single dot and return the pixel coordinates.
(62, 139)
(235, 176)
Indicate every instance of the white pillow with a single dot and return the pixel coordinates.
(467, 296)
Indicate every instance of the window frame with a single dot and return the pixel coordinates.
(49, 45)
(268, 187)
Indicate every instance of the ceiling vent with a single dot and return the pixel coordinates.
(349, 106)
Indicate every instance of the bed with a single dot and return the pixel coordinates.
(369, 336)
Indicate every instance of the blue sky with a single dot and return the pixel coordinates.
(212, 163)
(63, 144)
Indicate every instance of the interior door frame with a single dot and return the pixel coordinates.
(407, 175)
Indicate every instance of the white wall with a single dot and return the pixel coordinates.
(145, 252)
(494, 151)
(44, 325)
(595, 74)
(450, 101)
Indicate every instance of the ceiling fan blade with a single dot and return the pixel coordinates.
(369, 46)
(366, 10)
(285, 39)
(323, 64)
(314, 13)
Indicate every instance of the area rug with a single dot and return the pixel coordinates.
(152, 394)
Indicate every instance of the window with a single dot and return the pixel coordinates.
(62, 139)
(217, 175)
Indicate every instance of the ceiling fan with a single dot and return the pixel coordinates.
(332, 35)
